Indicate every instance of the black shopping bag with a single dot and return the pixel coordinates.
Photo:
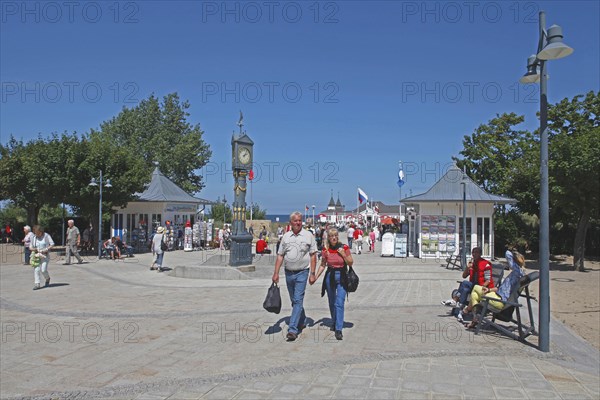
(352, 280)
(272, 302)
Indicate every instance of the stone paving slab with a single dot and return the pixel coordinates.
(109, 329)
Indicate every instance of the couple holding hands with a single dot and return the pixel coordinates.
(298, 254)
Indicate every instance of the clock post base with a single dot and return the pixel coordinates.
(241, 250)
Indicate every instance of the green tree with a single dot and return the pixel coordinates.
(499, 157)
(506, 161)
(257, 212)
(574, 147)
(217, 210)
(161, 132)
(36, 173)
(10, 213)
(124, 167)
(490, 153)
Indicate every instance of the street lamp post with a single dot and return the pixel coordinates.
(550, 47)
(106, 185)
(463, 248)
(314, 222)
(224, 207)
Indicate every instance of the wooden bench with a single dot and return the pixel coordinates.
(454, 260)
(60, 251)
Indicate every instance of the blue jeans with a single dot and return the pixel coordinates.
(337, 296)
(159, 259)
(296, 285)
(27, 255)
(464, 289)
(350, 243)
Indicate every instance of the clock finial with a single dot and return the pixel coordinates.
(241, 121)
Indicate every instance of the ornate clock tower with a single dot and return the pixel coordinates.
(241, 161)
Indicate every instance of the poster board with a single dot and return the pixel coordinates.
(438, 234)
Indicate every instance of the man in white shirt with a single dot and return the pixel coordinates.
(350, 235)
(297, 253)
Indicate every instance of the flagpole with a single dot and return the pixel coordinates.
(357, 204)
(400, 194)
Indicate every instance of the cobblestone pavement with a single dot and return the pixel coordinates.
(108, 329)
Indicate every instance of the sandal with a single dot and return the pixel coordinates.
(472, 324)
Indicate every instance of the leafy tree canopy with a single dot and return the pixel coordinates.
(160, 131)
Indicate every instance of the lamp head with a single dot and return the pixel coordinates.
(93, 182)
(107, 184)
(533, 73)
(555, 48)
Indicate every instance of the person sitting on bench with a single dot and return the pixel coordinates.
(516, 261)
(123, 248)
(262, 248)
(479, 272)
(111, 248)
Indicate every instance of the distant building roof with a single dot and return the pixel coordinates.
(449, 188)
(383, 209)
(162, 188)
(331, 201)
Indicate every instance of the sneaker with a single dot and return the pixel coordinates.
(291, 336)
(449, 303)
(338, 335)
(459, 317)
(80, 262)
(47, 282)
(36, 287)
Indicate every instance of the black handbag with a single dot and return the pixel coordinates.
(272, 302)
(163, 245)
(352, 280)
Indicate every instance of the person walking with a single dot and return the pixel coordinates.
(298, 254)
(350, 235)
(358, 239)
(337, 258)
(27, 243)
(87, 246)
(41, 244)
(8, 233)
(372, 237)
(157, 241)
(73, 240)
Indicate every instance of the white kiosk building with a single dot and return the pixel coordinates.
(435, 230)
(162, 201)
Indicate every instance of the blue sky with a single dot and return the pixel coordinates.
(334, 94)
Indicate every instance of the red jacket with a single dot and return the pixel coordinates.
(481, 272)
(261, 245)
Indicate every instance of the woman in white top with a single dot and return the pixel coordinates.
(41, 243)
(157, 241)
(27, 242)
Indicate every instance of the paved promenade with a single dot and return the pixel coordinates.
(108, 329)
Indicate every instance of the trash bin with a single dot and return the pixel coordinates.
(387, 245)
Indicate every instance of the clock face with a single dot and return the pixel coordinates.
(244, 155)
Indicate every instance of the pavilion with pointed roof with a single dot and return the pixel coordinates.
(334, 213)
(162, 201)
(435, 217)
